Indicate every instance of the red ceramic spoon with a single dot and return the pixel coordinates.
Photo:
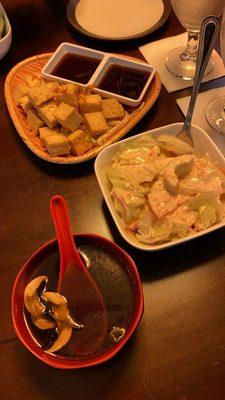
(76, 284)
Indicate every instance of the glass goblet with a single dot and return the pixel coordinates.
(181, 62)
(215, 112)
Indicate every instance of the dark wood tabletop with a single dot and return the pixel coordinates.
(178, 350)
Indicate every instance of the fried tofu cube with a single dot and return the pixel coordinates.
(96, 123)
(113, 122)
(112, 109)
(90, 103)
(34, 121)
(67, 94)
(20, 91)
(39, 94)
(79, 142)
(53, 85)
(55, 142)
(44, 132)
(25, 104)
(64, 130)
(33, 80)
(46, 113)
(57, 145)
(68, 116)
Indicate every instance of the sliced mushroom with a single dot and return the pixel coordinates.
(73, 323)
(59, 310)
(64, 335)
(44, 323)
(32, 300)
(49, 310)
(54, 298)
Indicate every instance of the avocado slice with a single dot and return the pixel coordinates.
(2, 26)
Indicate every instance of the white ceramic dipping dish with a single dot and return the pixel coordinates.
(5, 42)
(66, 48)
(202, 144)
(123, 62)
(105, 61)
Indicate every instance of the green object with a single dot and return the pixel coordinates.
(207, 216)
(2, 26)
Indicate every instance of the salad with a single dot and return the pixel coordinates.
(163, 190)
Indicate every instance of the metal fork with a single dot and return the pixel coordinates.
(209, 30)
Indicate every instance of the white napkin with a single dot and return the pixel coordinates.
(156, 53)
(199, 117)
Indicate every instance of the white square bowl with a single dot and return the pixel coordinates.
(123, 62)
(65, 48)
(202, 144)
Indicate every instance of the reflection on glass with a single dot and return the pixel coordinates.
(215, 112)
(181, 62)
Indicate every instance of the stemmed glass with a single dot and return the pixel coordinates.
(181, 62)
(215, 112)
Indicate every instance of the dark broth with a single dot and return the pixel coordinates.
(125, 81)
(117, 288)
(76, 67)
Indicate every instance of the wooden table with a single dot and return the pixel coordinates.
(178, 351)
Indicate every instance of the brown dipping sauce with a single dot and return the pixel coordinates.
(117, 288)
(76, 67)
(125, 81)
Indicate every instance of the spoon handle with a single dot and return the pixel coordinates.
(209, 30)
(67, 249)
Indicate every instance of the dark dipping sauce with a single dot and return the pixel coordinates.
(76, 67)
(125, 81)
(116, 284)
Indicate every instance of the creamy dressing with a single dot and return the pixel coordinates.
(163, 191)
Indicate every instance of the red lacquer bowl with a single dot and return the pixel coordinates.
(24, 277)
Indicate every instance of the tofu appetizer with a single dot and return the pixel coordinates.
(67, 119)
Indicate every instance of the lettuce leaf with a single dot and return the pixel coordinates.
(174, 145)
(135, 178)
(180, 229)
(206, 199)
(207, 216)
(145, 222)
(144, 142)
(127, 205)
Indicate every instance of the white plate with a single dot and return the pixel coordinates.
(116, 20)
(202, 144)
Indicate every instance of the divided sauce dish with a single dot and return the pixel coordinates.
(104, 62)
(202, 145)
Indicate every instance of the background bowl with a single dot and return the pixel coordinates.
(202, 144)
(5, 42)
(24, 277)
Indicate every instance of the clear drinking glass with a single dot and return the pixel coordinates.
(181, 62)
(215, 112)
